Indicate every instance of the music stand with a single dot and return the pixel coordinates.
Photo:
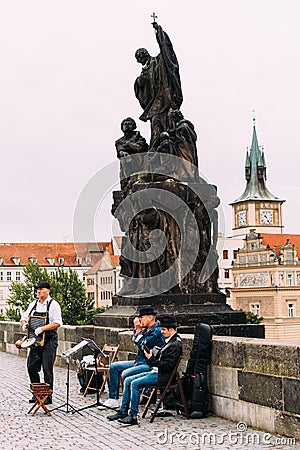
(67, 355)
(96, 352)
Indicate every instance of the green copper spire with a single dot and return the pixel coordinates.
(255, 173)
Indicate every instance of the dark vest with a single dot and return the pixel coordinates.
(51, 334)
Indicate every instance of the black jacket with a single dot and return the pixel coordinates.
(166, 359)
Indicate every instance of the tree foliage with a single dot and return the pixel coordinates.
(66, 288)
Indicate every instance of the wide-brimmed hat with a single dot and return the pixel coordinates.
(147, 311)
(168, 322)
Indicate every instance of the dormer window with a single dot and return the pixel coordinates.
(50, 261)
(33, 260)
(88, 261)
(1, 261)
(16, 261)
(61, 261)
(79, 261)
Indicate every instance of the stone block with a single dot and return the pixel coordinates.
(265, 418)
(11, 348)
(187, 344)
(85, 331)
(287, 425)
(228, 352)
(70, 333)
(272, 358)
(125, 341)
(260, 389)
(291, 395)
(223, 382)
(222, 407)
(244, 412)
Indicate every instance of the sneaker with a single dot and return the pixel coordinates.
(128, 420)
(111, 403)
(117, 416)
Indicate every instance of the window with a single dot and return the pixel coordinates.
(18, 276)
(252, 246)
(281, 279)
(235, 253)
(289, 279)
(255, 308)
(226, 273)
(298, 279)
(291, 310)
(16, 261)
(33, 260)
(91, 295)
(8, 276)
(1, 261)
(1, 276)
(225, 254)
(253, 258)
(263, 257)
(50, 261)
(236, 281)
(90, 281)
(1, 294)
(61, 261)
(88, 261)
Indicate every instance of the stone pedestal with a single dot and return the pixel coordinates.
(188, 309)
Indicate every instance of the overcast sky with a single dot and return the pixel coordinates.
(66, 80)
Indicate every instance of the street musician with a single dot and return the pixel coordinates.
(42, 356)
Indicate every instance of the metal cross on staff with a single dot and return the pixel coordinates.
(154, 17)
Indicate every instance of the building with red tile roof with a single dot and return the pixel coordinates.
(266, 281)
(79, 256)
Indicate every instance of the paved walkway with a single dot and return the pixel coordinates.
(90, 430)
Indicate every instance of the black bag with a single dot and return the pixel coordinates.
(194, 381)
(85, 377)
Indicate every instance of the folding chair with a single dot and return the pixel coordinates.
(102, 367)
(170, 387)
(41, 392)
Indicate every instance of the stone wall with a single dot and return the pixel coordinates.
(255, 381)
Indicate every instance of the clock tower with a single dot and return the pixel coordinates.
(256, 207)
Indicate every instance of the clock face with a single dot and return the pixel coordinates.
(266, 217)
(242, 218)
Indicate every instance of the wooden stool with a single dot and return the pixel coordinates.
(41, 392)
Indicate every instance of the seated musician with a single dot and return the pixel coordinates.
(148, 331)
(43, 356)
(161, 368)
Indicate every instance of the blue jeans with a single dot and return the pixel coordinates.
(133, 386)
(126, 368)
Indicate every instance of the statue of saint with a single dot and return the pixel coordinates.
(158, 88)
(184, 136)
(132, 143)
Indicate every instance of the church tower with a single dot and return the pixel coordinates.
(256, 207)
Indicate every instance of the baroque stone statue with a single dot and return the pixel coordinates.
(132, 143)
(158, 87)
(166, 211)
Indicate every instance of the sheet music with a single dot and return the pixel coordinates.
(76, 348)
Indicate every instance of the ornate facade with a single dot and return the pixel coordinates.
(266, 281)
